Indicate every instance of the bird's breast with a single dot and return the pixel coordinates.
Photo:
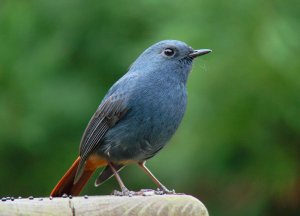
(155, 112)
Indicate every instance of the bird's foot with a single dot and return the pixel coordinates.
(145, 192)
(164, 190)
(158, 191)
(124, 192)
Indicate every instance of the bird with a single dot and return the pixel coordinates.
(136, 118)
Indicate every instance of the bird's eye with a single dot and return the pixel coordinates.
(169, 52)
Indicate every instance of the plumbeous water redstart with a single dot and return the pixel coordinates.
(136, 118)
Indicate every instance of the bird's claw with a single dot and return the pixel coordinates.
(164, 190)
(158, 191)
(124, 192)
(145, 192)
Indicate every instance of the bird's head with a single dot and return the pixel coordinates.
(168, 56)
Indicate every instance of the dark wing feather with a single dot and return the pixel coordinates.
(107, 115)
(107, 173)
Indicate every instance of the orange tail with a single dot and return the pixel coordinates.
(66, 184)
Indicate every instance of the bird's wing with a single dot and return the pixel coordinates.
(110, 111)
(107, 115)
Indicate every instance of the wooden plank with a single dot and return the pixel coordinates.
(37, 206)
(157, 205)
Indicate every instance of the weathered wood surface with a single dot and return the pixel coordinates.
(166, 205)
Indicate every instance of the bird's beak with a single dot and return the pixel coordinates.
(199, 52)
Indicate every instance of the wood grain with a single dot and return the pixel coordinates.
(157, 205)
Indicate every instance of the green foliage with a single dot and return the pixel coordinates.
(238, 146)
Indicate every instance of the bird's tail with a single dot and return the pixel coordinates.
(66, 185)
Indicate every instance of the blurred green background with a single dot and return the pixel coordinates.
(237, 148)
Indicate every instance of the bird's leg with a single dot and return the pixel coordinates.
(155, 180)
(124, 190)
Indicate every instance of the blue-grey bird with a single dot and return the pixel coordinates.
(136, 118)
